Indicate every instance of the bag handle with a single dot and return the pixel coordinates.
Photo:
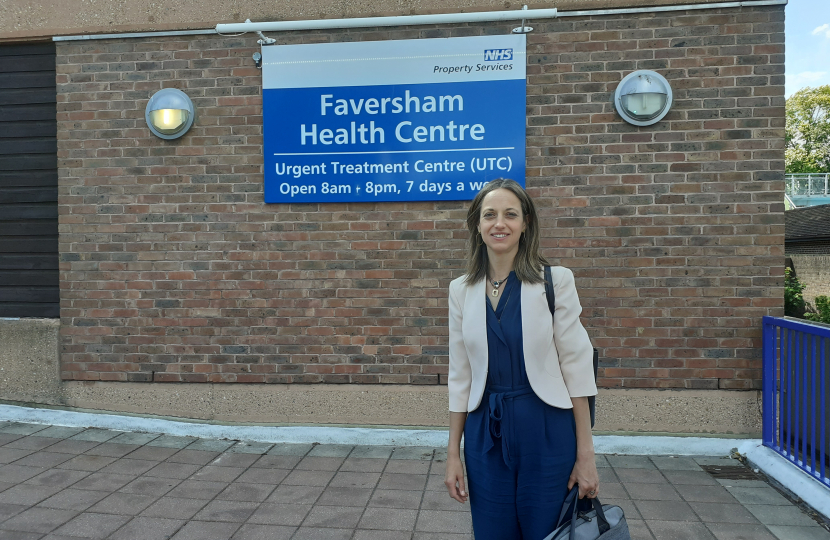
(566, 505)
(549, 290)
(602, 522)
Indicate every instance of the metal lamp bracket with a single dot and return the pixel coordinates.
(263, 39)
(523, 29)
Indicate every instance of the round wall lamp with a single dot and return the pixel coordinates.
(643, 98)
(169, 113)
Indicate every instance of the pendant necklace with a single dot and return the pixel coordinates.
(496, 284)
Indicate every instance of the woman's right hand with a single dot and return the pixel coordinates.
(454, 479)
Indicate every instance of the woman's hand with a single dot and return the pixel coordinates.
(585, 474)
(454, 479)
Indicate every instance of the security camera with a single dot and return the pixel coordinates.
(258, 60)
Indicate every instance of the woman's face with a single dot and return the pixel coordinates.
(502, 222)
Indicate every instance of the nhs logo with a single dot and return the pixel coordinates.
(491, 55)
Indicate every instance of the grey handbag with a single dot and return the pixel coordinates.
(604, 522)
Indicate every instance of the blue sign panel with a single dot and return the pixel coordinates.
(420, 120)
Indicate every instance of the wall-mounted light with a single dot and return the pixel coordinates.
(643, 98)
(169, 114)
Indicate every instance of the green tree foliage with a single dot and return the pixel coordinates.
(822, 310)
(794, 305)
(807, 135)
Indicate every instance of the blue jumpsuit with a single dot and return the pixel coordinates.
(519, 451)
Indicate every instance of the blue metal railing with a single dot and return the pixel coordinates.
(796, 398)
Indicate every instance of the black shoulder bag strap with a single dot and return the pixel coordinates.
(551, 295)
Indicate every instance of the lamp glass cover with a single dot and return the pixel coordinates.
(644, 106)
(169, 121)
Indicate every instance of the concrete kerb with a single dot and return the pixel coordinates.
(270, 434)
(605, 444)
(801, 484)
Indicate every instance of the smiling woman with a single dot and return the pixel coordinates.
(518, 378)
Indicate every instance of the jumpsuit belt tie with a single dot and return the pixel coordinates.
(495, 403)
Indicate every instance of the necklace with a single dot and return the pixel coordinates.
(496, 284)
(506, 301)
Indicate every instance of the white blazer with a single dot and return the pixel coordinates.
(558, 357)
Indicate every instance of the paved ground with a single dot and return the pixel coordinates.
(61, 483)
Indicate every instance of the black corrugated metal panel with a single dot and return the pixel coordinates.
(28, 181)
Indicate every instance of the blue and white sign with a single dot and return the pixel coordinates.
(416, 120)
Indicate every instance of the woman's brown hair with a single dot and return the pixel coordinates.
(528, 262)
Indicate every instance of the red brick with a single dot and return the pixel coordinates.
(659, 223)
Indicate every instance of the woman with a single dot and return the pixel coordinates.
(518, 384)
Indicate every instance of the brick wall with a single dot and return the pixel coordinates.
(814, 272)
(173, 269)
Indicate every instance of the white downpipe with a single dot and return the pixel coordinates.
(135, 35)
(400, 20)
(657, 9)
(456, 18)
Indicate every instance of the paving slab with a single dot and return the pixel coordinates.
(172, 441)
(175, 508)
(31, 442)
(780, 515)
(638, 529)
(396, 519)
(111, 449)
(678, 530)
(91, 525)
(673, 463)
(316, 533)
(147, 528)
(331, 450)
(73, 499)
(740, 531)
(396, 498)
(264, 532)
(378, 452)
(135, 438)
(763, 495)
(251, 447)
(96, 435)
(59, 432)
(211, 445)
(201, 530)
(799, 533)
(239, 491)
(413, 452)
(333, 516)
(73, 446)
(630, 462)
(712, 512)
(286, 449)
(37, 520)
(359, 464)
(18, 428)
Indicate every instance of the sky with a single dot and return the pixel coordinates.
(808, 44)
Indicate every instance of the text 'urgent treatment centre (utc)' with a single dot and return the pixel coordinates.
(413, 120)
